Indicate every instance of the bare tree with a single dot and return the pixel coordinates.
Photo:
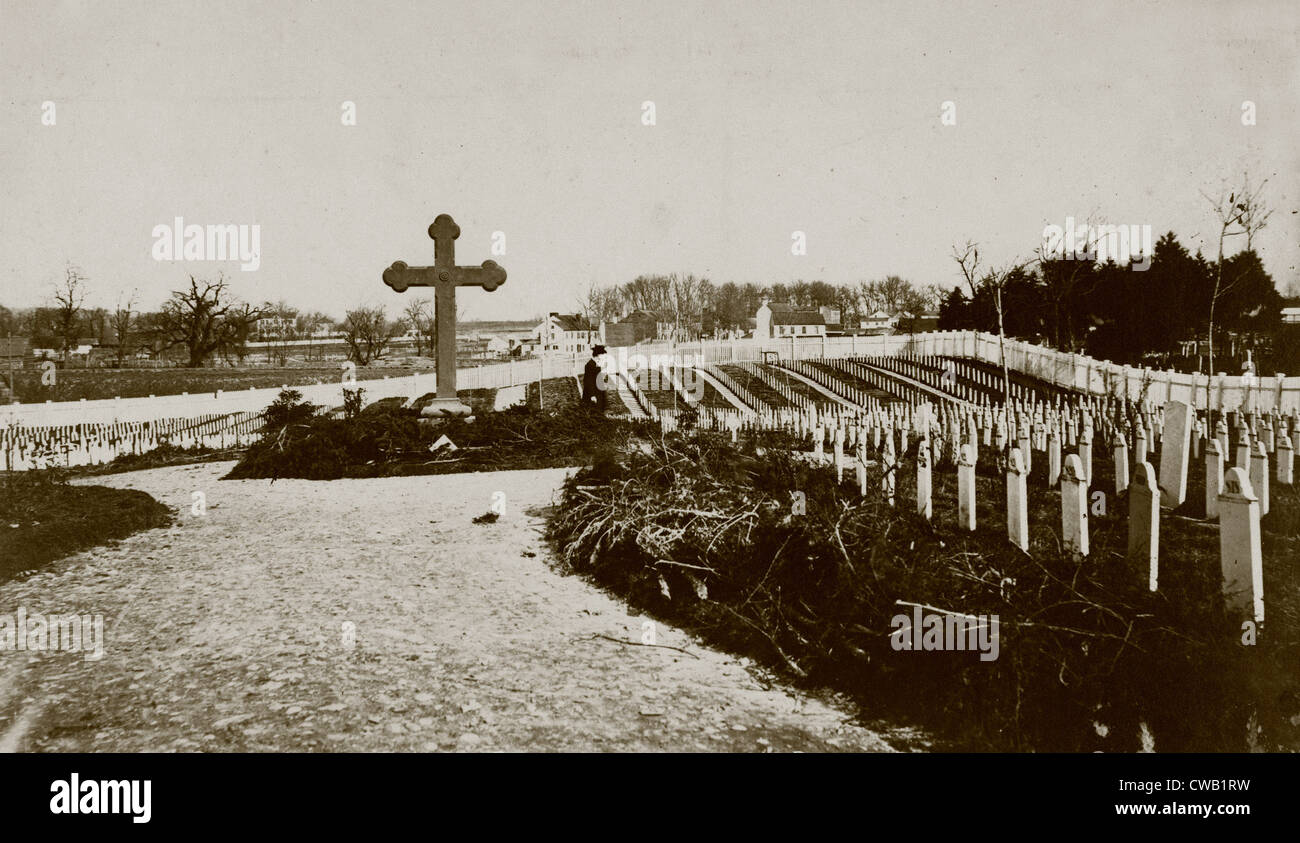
(968, 261)
(368, 332)
(205, 320)
(123, 320)
(307, 324)
(1242, 211)
(281, 332)
(69, 296)
(418, 315)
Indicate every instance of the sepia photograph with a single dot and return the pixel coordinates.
(437, 386)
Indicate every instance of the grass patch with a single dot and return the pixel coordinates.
(42, 518)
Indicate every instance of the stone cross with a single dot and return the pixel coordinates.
(1240, 552)
(1144, 521)
(1017, 502)
(444, 276)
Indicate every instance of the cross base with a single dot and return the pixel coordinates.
(443, 407)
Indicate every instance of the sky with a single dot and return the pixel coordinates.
(527, 119)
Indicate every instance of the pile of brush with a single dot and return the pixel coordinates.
(759, 551)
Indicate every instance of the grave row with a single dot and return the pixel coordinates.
(1236, 496)
(28, 448)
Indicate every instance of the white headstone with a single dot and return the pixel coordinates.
(1017, 503)
(1239, 548)
(1174, 443)
(1213, 478)
(1121, 464)
(1085, 456)
(888, 466)
(923, 502)
(1053, 459)
(1144, 521)
(1074, 506)
(1285, 461)
(966, 489)
(1259, 476)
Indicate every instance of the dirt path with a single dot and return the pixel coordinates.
(227, 632)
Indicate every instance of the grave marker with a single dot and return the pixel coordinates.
(1259, 476)
(1085, 456)
(1074, 506)
(444, 276)
(1174, 443)
(966, 489)
(1213, 478)
(923, 502)
(1285, 461)
(1240, 554)
(1017, 503)
(1121, 463)
(888, 465)
(1144, 521)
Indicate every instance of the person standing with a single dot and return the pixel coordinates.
(593, 390)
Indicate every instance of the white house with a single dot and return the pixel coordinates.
(878, 320)
(1291, 316)
(567, 333)
(782, 320)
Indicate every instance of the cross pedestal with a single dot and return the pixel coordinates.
(444, 276)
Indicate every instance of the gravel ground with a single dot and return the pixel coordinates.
(369, 615)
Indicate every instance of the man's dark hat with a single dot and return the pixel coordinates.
(597, 349)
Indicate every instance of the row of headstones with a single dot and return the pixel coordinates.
(1237, 506)
(966, 382)
(883, 380)
(1238, 498)
(29, 448)
(779, 386)
(746, 397)
(849, 392)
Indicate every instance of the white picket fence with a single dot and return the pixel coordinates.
(1064, 370)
